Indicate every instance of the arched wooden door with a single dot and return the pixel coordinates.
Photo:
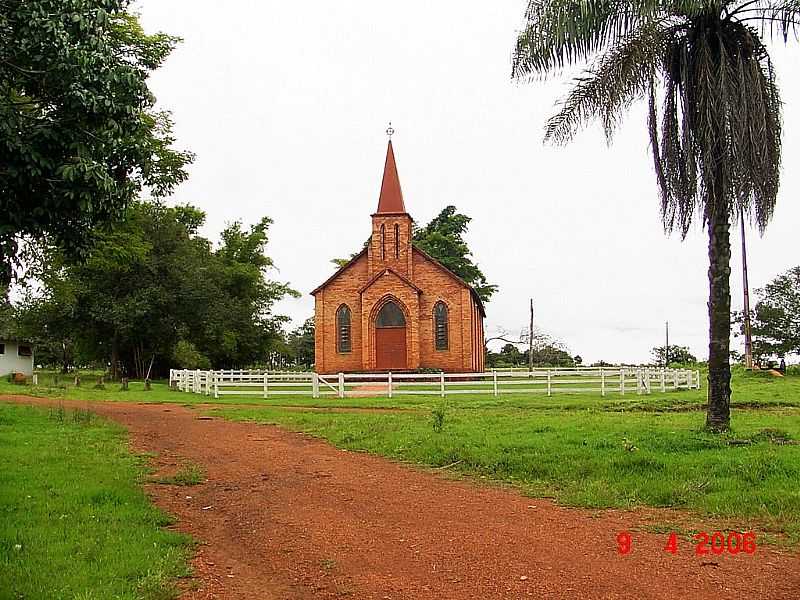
(390, 338)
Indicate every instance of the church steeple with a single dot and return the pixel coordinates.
(391, 199)
(390, 244)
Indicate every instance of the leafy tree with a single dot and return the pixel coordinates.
(677, 354)
(511, 354)
(717, 147)
(152, 291)
(775, 320)
(549, 355)
(443, 239)
(186, 356)
(301, 343)
(79, 137)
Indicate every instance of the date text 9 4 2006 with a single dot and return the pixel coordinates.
(716, 543)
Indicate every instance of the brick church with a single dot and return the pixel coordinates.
(393, 307)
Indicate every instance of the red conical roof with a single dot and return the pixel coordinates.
(391, 200)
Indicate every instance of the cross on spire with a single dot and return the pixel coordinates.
(390, 130)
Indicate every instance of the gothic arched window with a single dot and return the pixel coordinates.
(441, 326)
(397, 241)
(383, 242)
(390, 315)
(343, 338)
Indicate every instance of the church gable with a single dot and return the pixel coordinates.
(389, 277)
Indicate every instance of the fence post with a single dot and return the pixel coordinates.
(697, 374)
(389, 383)
(341, 385)
(663, 379)
(649, 380)
(216, 387)
(622, 381)
(315, 385)
(549, 384)
(638, 381)
(494, 381)
(602, 382)
(675, 381)
(266, 384)
(441, 383)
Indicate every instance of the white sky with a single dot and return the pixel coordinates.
(286, 103)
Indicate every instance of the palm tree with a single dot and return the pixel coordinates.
(714, 114)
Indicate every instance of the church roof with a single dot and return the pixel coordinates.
(391, 199)
(471, 289)
(342, 269)
(339, 271)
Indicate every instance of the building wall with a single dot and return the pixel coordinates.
(436, 285)
(342, 290)
(465, 351)
(11, 362)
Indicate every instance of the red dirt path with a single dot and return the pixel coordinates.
(286, 516)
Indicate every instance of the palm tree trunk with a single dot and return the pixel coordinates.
(718, 416)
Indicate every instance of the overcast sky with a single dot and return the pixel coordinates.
(286, 103)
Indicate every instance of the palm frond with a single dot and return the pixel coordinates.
(780, 17)
(619, 77)
(562, 32)
(721, 129)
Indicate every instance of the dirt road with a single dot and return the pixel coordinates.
(286, 516)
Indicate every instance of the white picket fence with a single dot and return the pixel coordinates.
(622, 380)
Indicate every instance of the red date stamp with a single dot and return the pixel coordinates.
(717, 543)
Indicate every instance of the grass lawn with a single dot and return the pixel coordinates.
(581, 449)
(76, 523)
(598, 452)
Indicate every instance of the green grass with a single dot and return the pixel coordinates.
(75, 521)
(189, 474)
(581, 449)
(599, 452)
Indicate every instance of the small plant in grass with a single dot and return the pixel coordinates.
(439, 413)
(188, 474)
(629, 445)
(59, 413)
(82, 416)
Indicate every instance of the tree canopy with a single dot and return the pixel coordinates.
(677, 354)
(79, 135)
(775, 319)
(152, 290)
(714, 114)
(443, 239)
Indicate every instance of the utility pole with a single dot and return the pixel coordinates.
(530, 341)
(666, 348)
(748, 340)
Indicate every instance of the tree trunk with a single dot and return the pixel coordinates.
(718, 417)
(114, 357)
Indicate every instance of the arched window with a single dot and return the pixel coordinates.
(397, 241)
(390, 316)
(343, 338)
(383, 242)
(441, 326)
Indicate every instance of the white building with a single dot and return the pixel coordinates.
(15, 357)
